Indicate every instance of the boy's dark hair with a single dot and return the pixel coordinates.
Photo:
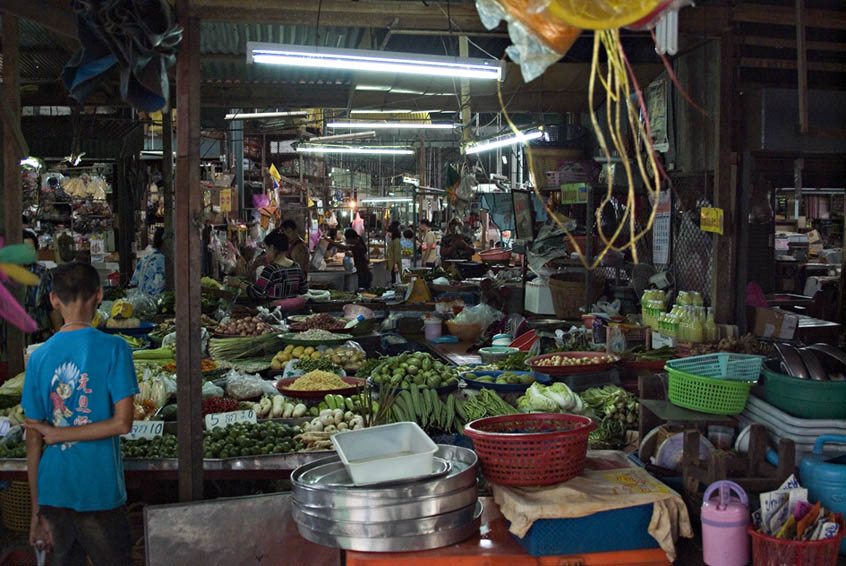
(30, 235)
(426, 222)
(408, 234)
(158, 238)
(288, 224)
(350, 234)
(333, 233)
(277, 239)
(75, 281)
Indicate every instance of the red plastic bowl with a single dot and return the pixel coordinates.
(569, 370)
(356, 384)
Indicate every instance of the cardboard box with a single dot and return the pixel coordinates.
(815, 249)
(814, 237)
(771, 323)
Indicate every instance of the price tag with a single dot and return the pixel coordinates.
(145, 429)
(218, 420)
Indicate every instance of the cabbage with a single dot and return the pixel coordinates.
(539, 401)
(13, 387)
(565, 398)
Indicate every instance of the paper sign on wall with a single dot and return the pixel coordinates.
(225, 200)
(711, 220)
(573, 193)
(661, 229)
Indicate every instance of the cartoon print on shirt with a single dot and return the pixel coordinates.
(63, 385)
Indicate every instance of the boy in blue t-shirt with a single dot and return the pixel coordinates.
(78, 399)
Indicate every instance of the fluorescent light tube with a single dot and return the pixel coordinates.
(363, 150)
(257, 115)
(374, 61)
(494, 143)
(344, 137)
(386, 199)
(376, 111)
(392, 125)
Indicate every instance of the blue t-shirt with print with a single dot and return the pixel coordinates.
(76, 378)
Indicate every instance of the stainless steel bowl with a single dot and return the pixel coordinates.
(462, 475)
(396, 544)
(397, 511)
(393, 528)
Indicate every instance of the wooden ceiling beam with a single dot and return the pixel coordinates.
(344, 13)
(43, 13)
(786, 16)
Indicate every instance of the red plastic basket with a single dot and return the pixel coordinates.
(770, 551)
(531, 449)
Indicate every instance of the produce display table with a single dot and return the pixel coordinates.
(495, 546)
(273, 467)
(455, 353)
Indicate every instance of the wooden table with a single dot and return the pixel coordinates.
(495, 546)
(455, 353)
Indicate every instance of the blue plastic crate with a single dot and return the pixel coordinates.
(560, 537)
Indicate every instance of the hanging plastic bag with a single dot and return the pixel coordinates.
(358, 224)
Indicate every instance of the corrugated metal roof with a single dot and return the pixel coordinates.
(231, 39)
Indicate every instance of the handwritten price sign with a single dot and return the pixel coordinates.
(145, 429)
(223, 420)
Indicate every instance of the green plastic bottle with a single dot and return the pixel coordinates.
(696, 327)
(710, 327)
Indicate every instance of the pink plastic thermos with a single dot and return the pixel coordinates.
(724, 521)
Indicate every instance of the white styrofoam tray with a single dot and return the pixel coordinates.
(385, 453)
(806, 426)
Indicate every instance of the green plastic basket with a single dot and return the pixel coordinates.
(735, 367)
(718, 384)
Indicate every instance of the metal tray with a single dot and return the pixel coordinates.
(334, 474)
(396, 544)
(410, 527)
(404, 510)
(462, 474)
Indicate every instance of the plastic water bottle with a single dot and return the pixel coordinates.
(354, 321)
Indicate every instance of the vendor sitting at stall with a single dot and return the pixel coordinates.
(356, 247)
(282, 278)
(149, 274)
(455, 245)
(298, 249)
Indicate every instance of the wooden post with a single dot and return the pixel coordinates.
(167, 194)
(724, 293)
(12, 230)
(802, 66)
(466, 132)
(189, 209)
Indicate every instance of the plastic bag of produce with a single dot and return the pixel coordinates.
(244, 386)
(211, 390)
(14, 436)
(483, 315)
(144, 306)
(170, 340)
(349, 356)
